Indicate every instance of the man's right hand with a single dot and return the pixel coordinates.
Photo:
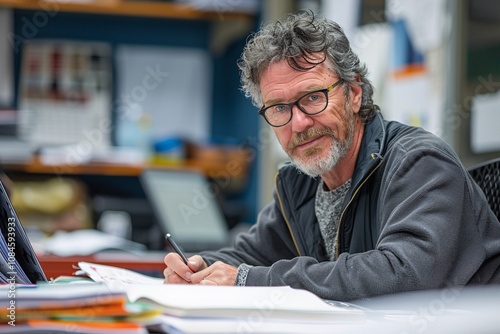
(177, 272)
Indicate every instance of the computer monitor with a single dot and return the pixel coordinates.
(186, 206)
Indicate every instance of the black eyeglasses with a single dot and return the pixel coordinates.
(311, 104)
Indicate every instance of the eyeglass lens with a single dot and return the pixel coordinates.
(311, 104)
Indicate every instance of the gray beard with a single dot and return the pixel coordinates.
(315, 167)
(320, 166)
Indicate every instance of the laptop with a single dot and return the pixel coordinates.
(185, 206)
(18, 261)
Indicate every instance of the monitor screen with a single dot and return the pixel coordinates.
(186, 207)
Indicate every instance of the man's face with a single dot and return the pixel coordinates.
(315, 144)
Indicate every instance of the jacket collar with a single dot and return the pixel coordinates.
(370, 153)
(372, 149)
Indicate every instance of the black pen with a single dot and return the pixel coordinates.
(172, 243)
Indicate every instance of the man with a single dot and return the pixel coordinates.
(368, 207)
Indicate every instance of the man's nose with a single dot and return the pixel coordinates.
(300, 120)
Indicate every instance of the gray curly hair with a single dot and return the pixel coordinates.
(296, 39)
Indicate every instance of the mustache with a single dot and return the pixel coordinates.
(308, 135)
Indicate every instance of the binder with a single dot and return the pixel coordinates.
(18, 261)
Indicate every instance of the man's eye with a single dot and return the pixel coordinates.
(314, 97)
(279, 108)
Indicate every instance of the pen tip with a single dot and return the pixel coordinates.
(167, 235)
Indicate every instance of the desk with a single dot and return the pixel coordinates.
(150, 263)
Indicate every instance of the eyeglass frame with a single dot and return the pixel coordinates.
(262, 111)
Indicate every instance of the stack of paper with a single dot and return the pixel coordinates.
(85, 307)
(228, 309)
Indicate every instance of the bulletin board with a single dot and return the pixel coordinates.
(162, 92)
(65, 93)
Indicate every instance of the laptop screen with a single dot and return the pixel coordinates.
(186, 207)
(18, 260)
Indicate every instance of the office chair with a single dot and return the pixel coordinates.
(487, 176)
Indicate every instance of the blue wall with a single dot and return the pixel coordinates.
(234, 119)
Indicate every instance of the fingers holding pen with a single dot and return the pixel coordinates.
(218, 273)
(171, 277)
(196, 263)
(177, 272)
(197, 272)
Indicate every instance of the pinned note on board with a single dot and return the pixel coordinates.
(485, 120)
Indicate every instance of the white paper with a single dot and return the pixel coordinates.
(345, 13)
(88, 242)
(260, 322)
(408, 99)
(485, 121)
(405, 99)
(220, 301)
(373, 45)
(427, 20)
(115, 277)
(227, 301)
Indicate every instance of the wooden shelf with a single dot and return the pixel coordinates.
(208, 167)
(218, 163)
(157, 9)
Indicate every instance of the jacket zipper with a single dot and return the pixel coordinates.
(284, 215)
(337, 250)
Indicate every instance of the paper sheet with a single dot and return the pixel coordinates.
(187, 300)
(372, 44)
(116, 277)
(427, 20)
(345, 13)
(485, 119)
(89, 242)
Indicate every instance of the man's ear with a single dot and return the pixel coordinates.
(356, 95)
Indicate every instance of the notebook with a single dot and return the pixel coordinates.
(18, 261)
(185, 206)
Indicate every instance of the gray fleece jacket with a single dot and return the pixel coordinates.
(412, 220)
